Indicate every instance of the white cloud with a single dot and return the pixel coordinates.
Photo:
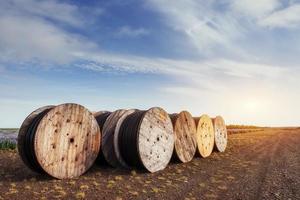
(206, 27)
(28, 34)
(255, 9)
(55, 10)
(285, 18)
(128, 31)
(29, 39)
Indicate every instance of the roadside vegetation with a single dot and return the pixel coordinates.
(8, 145)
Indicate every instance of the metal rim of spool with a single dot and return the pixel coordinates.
(205, 136)
(220, 133)
(116, 138)
(62, 122)
(22, 143)
(185, 145)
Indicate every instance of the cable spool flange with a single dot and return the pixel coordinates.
(220, 131)
(205, 135)
(64, 141)
(146, 139)
(185, 136)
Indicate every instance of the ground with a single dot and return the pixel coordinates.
(256, 165)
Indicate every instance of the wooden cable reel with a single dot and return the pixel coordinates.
(185, 136)
(220, 133)
(101, 117)
(108, 137)
(119, 157)
(205, 135)
(146, 139)
(62, 141)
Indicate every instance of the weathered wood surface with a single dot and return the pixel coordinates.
(220, 133)
(22, 134)
(205, 135)
(108, 137)
(67, 141)
(119, 157)
(156, 139)
(185, 136)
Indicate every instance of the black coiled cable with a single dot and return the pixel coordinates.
(29, 142)
(128, 139)
(101, 118)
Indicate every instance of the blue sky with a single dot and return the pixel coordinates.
(236, 58)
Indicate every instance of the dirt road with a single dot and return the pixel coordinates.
(257, 165)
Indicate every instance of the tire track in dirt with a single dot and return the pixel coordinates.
(280, 182)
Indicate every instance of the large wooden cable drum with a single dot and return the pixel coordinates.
(62, 141)
(101, 117)
(108, 137)
(185, 136)
(119, 157)
(220, 133)
(24, 135)
(205, 135)
(146, 139)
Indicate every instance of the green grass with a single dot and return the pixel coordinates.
(7, 144)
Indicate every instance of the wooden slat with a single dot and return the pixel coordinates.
(67, 141)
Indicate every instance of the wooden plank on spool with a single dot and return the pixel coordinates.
(185, 136)
(205, 136)
(23, 131)
(67, 141)
(155, 139)
(220, 133)
(108, 137)
(119, 157)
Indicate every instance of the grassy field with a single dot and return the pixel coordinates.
(8, 138)
(7, 144)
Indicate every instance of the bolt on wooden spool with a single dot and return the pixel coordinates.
(185, 136)
(205, 135)
(146, 139)
(220, 131)
(62, 141)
